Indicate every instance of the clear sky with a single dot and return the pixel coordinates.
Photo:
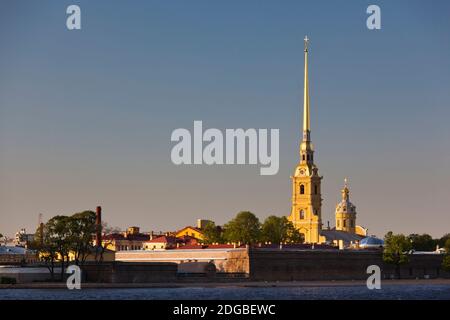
(86, 116)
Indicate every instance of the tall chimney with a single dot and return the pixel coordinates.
(41, 233)
(98, 223)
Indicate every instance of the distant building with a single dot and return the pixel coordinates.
(202, 223)
(131, 239)
(22, 238)
(194, 232)
(96, 254)
(10, 255)
(169, 242)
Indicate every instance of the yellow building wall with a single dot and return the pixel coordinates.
(189, 231)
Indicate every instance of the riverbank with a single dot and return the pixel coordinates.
(248, 284)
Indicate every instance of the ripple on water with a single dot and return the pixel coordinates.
(404, 292)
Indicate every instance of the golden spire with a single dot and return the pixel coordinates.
(306, 127)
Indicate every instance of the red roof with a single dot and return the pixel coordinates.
(210, 246)
(164, 239)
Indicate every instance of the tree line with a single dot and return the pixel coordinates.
(246, 228)
(398, 247)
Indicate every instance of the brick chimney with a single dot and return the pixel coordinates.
(41, 233)
(98, 223)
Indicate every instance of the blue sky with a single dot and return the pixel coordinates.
(86, 116)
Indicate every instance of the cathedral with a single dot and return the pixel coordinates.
(306, 213)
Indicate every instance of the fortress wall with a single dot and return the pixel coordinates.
(131, 272)
(226, 260)
(272, 265)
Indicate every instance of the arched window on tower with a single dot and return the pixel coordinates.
(303, 157)
(302, 189)
(302, 214)
(315, 189)
(345, 224)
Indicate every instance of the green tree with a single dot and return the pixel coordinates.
(244, 228)
(279, 230)
(46, 249)
(58, 236)
(447, 246)
(82, 228)
(446, 260)
(422, 242)
(396, 247)
(442, 241)
(212, 233)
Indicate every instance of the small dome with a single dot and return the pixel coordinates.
(345, 206)
(371, 242)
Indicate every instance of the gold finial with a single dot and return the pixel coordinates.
(306, 43)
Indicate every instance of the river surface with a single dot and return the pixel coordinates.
(396, 292)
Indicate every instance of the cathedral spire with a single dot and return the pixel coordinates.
(306, 147)
(306, 124)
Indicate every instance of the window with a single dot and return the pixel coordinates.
(315, 189)
(303, 157)
(338, 224)
(307, 157)
(302, 214)
(302, 189)
(352, 223)
(345, 223)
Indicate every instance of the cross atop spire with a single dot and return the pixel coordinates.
(306, 43)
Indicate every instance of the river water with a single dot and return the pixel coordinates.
(396, 292)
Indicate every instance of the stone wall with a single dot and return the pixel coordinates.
(226, 260)
(288, 265)
(17, 259)
(130, 272)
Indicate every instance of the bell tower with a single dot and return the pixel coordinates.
(345, 212)
(306, 214)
